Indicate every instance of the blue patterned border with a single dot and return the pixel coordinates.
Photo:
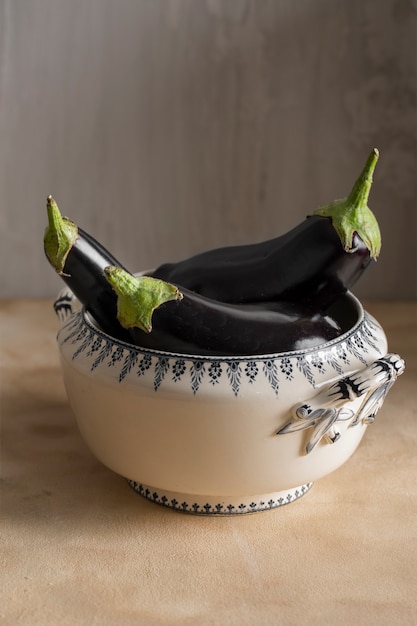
(221, 508)
(102, 350)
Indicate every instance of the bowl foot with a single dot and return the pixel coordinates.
(219, 505)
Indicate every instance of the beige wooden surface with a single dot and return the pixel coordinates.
(165, 127)
(80, 547)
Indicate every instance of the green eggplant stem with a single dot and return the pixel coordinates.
(60, 235)
(138, 297)
(352, 215)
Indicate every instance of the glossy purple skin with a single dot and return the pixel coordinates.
(202, 326)
(307, 265)
(195, 324)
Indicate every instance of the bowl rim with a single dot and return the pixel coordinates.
(89, 321)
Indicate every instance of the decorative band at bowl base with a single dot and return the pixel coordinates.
(219, 505)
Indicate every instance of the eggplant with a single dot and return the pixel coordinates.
(194, 324)
(80, 261)
(313, 264)
(199, 325)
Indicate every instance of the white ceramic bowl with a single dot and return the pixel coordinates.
(224, 435)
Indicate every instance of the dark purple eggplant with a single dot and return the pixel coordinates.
(194, 324)
(197, 325)
(80, 261)
(313, 264)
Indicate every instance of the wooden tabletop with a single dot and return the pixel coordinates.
(79, 546)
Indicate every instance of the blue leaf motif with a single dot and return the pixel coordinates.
(161, 368)
(271, 373)
(233, 374)
(86, 335)
(197, 373)
(129, 362)
(305, 368)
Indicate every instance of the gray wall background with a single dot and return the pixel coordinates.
(165, 127)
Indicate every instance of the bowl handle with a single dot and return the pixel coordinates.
(331, 404)
(66, 305)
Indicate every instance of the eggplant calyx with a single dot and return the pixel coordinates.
(352, 215)
(138, 296)
(60, 235)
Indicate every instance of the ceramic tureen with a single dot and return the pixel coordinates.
(224, 435)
